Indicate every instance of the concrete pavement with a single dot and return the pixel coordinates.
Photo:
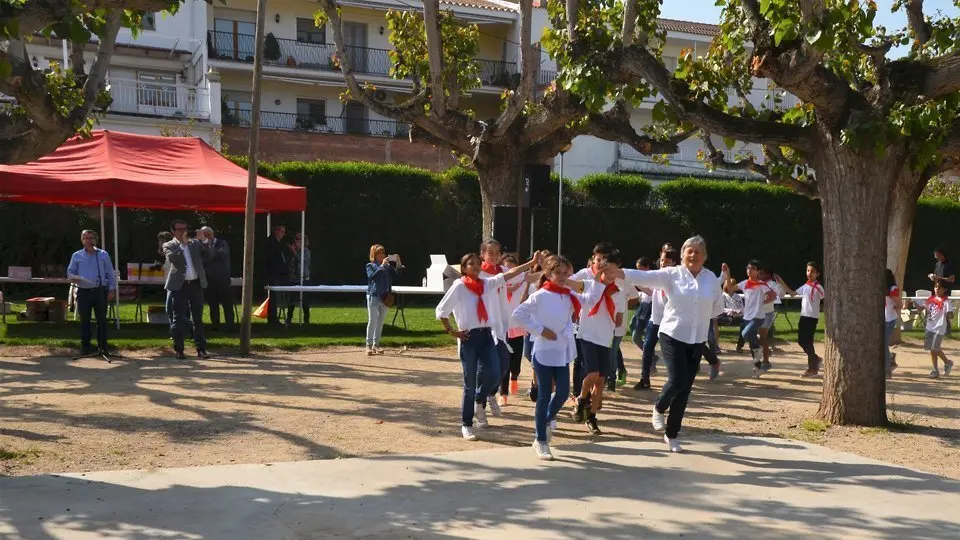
(722, 487)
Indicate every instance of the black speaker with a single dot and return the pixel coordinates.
(506, 229)
(536, 184)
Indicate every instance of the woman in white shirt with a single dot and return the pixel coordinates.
(473, 302)
(548, 314)
(693, 298)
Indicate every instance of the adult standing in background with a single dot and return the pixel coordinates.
(91, 270)
(277, 270)
(944, 273)
(300, 250)
(186, 280)
(218, 291)
(381, 271)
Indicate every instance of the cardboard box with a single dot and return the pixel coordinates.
(19, 272)
(57, 311)
(38, 308)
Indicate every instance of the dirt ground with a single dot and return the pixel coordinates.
(59, 415)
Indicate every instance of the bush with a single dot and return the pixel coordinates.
(614, 190)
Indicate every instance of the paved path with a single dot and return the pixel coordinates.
(723, 487)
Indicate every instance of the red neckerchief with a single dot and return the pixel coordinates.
(554, 288)
(475, 286)
(494, 269)
(607, 299)
(894, 292)
(751, 284)
(935, 300)
(814, 287)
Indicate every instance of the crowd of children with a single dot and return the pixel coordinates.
(553, 316)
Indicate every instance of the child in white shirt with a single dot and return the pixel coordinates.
(548, 314)
(472, 301)
(811, 294)
(937, 306)
(756, 294)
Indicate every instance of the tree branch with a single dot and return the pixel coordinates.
(944, 76)
(918, 23)
(528, 70)
(717, 159)
(431, 21)
(614, 125)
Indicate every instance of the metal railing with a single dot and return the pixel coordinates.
(686, 155)
(496, 72)
(176, 100)
(326, 124)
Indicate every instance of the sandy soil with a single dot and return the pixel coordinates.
(64, 415)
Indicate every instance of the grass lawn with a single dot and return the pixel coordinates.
(331, 325)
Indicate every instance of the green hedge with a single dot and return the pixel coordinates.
(416, 212)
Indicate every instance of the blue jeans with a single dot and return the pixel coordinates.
(751, 333)
(549, 406)
(527, 348)
(649, 348)
(480, 362)
(376, 315)
(887, 334)
(639, 322)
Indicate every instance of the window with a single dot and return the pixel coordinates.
(150, 21)
(311, 112)
(307, 32)
(234, 40)
(157, 89)
(236, 108)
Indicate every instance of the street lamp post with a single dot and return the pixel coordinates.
(563, 151)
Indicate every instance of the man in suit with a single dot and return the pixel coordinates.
(276, 255)
(219, 293)
(186, 280)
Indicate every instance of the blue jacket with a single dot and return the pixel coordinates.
(380, 278)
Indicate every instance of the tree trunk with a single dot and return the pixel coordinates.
(855, 194)
(499, 182)
(903, 211)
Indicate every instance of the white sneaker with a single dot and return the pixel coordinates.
(480, 415)
(494, 406)
(468, 433)
(673, 444)
(659, 420)
(935, 374)
(543, 451)
(947, 368)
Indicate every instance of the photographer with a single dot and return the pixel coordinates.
(300, 250)
(381, 270)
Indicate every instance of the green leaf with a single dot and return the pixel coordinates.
(659, 113)
(729, 141)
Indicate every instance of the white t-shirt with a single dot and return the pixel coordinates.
(771, 306)
(621, 299)
(600, 327)
(810, 297)
(890, 304)
(936, 314)
(546, 309)
(502, 304)
(753, 306)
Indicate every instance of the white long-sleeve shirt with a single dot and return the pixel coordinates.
(599, 328)
(502, 304)
(545, 309)
(691, 301)
(462, 303)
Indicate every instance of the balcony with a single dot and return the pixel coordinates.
(684, 162)
(233, 47)
(176, 100)
(328, 124)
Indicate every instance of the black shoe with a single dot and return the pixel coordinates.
(87, 349)
(181, 356)
(644, 384)
(202, 354)
(765, 366)
(533, 392)
(593, 425)
(580, 413)
(612, 385)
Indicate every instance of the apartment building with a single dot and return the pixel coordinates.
(195, 67)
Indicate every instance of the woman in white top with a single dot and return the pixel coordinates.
(892, 304)
(473, 302)
(693, 298)
(548, 314)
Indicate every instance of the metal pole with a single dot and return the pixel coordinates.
(269, 232)
(103, 229)
(531, 232)
(560, 206)
(250, 213)
(303, 262)
(116, 263)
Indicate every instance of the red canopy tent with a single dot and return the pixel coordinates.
(142, 171)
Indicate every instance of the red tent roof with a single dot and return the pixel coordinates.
(141, 171)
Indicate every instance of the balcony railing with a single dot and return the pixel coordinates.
(298, 54)
(175, 100)
(328, 124)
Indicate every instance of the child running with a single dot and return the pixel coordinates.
(549, 314)
(892, 304)
(491, 254)
(756, 294)
(638, 324)
(600, 251)
(938, 307)
(811, 294)
(472, 301)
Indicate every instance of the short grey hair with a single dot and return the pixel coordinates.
(206, 229)
(694, 241)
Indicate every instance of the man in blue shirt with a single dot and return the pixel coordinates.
(92, 272)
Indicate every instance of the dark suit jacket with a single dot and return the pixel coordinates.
(218, 267)
(276, 261)
(177, 262)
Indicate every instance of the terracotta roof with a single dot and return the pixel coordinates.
(688, 27)
(494, 5)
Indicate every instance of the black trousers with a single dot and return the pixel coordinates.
(805, 330)
(188, 299)
(275, 300)
(683, 362)
(516, 358)
(92, 300)
(219, 293)
(292, 301)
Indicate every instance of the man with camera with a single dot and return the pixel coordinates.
(186, 280)
(91, 271)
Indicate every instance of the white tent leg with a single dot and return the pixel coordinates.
(116, 264)
(103, 228)
(269, 230)
(303, 244)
